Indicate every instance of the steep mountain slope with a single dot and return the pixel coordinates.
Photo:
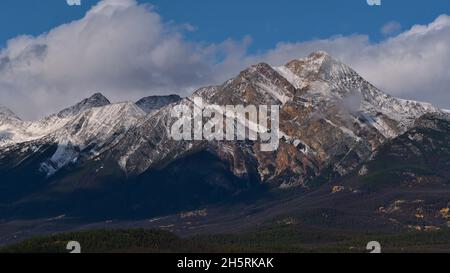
(405, 184)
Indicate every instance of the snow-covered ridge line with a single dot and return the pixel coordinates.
(79, 132)
(16, 131)
(446, 111)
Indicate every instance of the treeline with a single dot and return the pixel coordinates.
(278, 239)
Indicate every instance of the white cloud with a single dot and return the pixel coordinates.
(390, 28)
(126, 51)
(120, 48)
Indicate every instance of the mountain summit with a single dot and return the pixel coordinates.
(96, 100)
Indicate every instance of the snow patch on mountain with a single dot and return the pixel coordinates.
(275, 92)
(64, 154)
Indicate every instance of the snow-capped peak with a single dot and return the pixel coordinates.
(17, 131)
(325, 79)
(318, 66)
(315, 63)
(96, 100)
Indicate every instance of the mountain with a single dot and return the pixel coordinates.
(96, 100)
(152, 104)
(90, 133)
(73, 135)
(76, 133)
(402, 190)
(406, 181)
(331, 118)
(18, 131)
(86, 129)
(98, 160)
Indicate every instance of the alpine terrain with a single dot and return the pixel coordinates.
(350, 157)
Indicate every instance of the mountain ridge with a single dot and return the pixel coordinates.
(262, 84)
(331, 122)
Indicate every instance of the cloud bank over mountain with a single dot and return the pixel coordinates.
(414, 64)
(126, 51)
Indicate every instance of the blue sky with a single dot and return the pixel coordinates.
(266, 21)
(127, 51)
